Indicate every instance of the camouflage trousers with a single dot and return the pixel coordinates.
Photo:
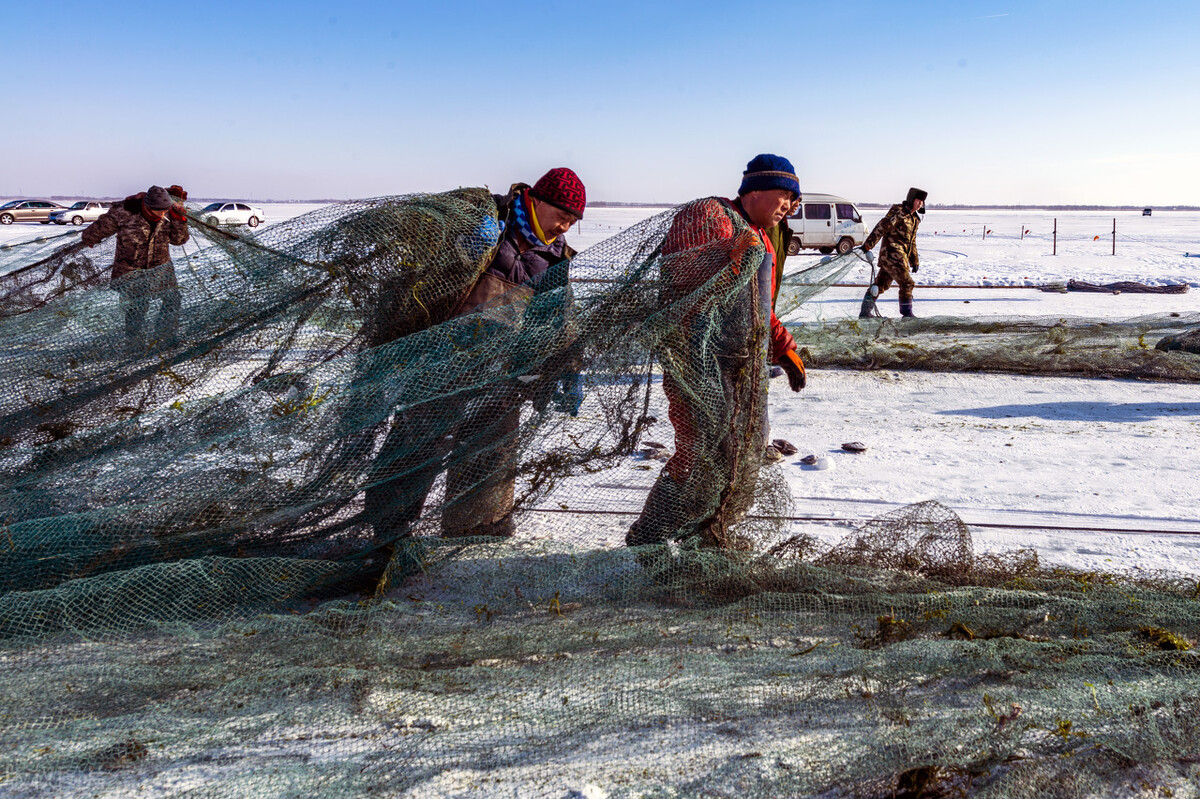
(901, 275)
(137, 291)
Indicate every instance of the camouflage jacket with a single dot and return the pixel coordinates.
(899, 233)
(140, 243)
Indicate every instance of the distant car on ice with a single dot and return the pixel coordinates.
(826, 223)
(80, 212)
(28, 211)
(1147, 211)
(229, 213)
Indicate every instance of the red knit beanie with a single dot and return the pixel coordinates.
(563, 189)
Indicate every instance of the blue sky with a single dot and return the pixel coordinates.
(978, 102)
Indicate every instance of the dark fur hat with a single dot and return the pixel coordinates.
(157, 199)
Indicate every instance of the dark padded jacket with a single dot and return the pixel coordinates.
(515, 275)
(534, 267)
(141, 244)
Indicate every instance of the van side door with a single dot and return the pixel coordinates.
(818, 225)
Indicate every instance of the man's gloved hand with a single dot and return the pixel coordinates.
(568, 397)
(914, 268)
(793, 367)
(478, 244)
(740, 247)
(178, 195)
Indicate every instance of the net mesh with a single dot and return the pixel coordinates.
(255, 542)
(1125, 348)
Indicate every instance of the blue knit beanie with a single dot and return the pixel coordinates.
(766, 172)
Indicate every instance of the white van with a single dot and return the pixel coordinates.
(826, 223)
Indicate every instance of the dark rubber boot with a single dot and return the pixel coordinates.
(906, 309)
(868, 308)
(502, 528)
(663, 516)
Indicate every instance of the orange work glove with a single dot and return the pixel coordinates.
(793, 367)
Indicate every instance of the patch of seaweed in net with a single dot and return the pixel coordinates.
(207, 519)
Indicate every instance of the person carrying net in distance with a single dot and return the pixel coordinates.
(472, 436)
(897, 254)
(146, 225)
(714, 384)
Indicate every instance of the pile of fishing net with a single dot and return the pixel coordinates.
(239, 554)
(1109, 348)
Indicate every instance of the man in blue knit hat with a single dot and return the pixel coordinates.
(767, 195)
(708, 238)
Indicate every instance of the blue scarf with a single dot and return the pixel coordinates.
(524, 224)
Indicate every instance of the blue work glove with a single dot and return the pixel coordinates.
(568, 396)
(476, 245)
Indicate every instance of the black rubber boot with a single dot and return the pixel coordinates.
(662, 517)
(906, 309)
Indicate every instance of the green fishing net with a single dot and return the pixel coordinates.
(257, 543)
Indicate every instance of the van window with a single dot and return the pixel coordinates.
(818, 211)
(848, 211)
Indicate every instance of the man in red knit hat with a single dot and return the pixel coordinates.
(531, 258)
(535, 219)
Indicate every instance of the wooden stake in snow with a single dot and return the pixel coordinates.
(1055, 252)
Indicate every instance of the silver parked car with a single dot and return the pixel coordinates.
(80, 212)
(231, 213)
(28, 211)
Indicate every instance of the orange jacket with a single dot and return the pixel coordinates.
(709, 223)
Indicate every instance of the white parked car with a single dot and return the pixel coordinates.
(826, 223)
(80, 212)
(231, 214)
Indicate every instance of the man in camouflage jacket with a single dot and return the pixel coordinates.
(898, 259)
(146, 225)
